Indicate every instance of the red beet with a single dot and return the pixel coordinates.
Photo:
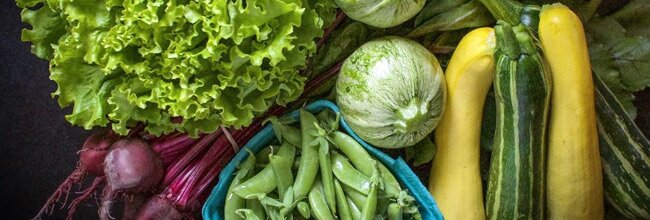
(159, 208)
(91, 155)
(94, 151)
(132, 204)
(131, 166)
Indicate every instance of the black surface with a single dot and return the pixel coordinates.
(38, 145)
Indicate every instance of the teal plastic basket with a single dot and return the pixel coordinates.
(213, 207)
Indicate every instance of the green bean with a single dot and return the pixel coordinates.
(363, 161)
(261, 166)
(292, 135)
(256, 207)
(309, 158)
(408, 205)
(326, 173)
(357, 197)
(353, 150)
(341, 202)
(296, 163)
(348, 175)
(285, 132)
(304, 210)
(247, 214)
(263, 155)
(262, 183)
(391, 186)
(272, 213)
(317, 202)
(382, 202)
(370, 207)
(328, 120)
(394, 211)
(281, 164)
(268, 200)
(234, 202)
(271, 206)
(354, 209)
(416, 216)
(289, 202)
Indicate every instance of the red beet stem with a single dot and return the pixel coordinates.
(320, 79)
(136, 131)
(176, 168)
(198, 194)
(187, 188)
(340, 17)
(172, 149)
(209, 179)
(166, 143)
(213, 158)
(167, 137)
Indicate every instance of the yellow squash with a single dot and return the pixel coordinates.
(455, 180)
(574, 177)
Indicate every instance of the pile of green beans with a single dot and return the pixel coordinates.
(315, 171)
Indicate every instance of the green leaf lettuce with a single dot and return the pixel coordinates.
(187, 65)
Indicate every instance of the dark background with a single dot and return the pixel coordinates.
(37, 146)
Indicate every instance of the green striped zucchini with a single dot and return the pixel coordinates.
(522, 89)
(625, 154)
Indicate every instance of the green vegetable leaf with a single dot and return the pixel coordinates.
(585, 9)
(435, 7)
(634, 17)
(47, 27)
(446, 42)
(340, 45)
(620, 58)
(190, 66)
(469, 15)
(422, 152)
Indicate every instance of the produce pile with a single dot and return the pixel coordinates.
(335, 174)
(506, 109)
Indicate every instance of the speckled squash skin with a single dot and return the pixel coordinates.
(392, 92)
(381, 13)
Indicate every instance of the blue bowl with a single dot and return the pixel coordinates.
(213, 207)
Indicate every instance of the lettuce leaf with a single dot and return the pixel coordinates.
(207, 63)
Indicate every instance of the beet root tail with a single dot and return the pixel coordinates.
(62, 191)
(108, 197)
(74, 205)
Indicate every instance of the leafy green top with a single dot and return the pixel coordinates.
(619, 45)
(188, 65)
